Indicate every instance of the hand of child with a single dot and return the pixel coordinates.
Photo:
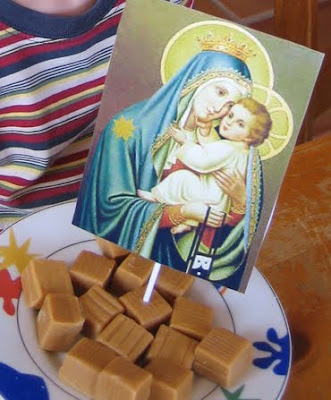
(177, 134)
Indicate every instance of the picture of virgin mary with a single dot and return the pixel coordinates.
(136, 152)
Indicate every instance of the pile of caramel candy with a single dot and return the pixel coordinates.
(119, 347)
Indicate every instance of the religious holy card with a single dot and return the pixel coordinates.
(198, 120)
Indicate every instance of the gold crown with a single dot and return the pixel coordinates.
(226, 45)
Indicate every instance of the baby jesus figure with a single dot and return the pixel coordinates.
(246, 124)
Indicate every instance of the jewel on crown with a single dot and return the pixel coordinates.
(226, 44)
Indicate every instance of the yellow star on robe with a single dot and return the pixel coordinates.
(15, 255)
(123, 128)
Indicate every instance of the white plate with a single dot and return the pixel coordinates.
(26, 372)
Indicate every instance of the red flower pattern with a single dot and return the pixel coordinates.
(9, 289)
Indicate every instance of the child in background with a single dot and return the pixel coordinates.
(54, 56)
(246, 124)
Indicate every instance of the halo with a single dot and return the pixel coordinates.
(282, 121)
(184, 45)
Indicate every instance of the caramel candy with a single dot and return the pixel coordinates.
(125, 337)
(123, 380)
(99, 308)
(172, 345)
(223, 356)
(133, 272)
(150, 314)
(192, 318)
(111, 250)
(59, 322)
(170, 381)
(91, 269)
(172, 283)
(43, 276)
(83, 363)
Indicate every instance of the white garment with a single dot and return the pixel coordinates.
(198, 184)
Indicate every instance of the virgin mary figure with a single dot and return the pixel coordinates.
(114, 202)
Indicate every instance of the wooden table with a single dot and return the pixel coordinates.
(296, 259)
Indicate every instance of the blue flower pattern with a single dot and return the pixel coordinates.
(282, 356)
(15, 385)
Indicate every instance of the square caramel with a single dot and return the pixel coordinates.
(111, 250)
(148, 314)
(125, 337)
(99, 308)
(59, 322)
(83, 363)
(170, 380)
(191, 318)
(91, 269)
(42, 276)
(133, 272)
(172, 283)
(172, 345)
(223, 356)
(121, 379)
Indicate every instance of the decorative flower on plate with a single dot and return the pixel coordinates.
(278, 355)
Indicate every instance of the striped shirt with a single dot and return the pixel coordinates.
(51, 80)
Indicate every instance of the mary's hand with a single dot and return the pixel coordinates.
(234, 186)
(197, 212)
